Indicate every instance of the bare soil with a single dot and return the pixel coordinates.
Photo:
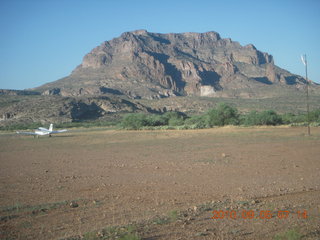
(168, 184)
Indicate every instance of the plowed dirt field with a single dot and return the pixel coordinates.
(222, 183)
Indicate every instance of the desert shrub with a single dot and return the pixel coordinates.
(222, 115)
(182, 127)
(315, 116)
(251, 119)
(288, 118)
(268, 117)
(315, 124)
(134, 121)
(85, 124)
(197, 122)
(301, 119)
(156, 120)
(174, 118)
(21, 126)
(176, 121)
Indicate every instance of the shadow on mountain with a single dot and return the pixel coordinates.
(263, 80)
(110, 90)
(161, 40)
(170, 69)
(210, 78)
(85, 111)
(291, 80)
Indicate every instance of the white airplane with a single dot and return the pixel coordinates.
(43, 131)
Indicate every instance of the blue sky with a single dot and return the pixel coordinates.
(44, 40)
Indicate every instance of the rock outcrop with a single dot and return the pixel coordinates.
(141, 64)
(57, 109)
(119, 75)
(10, 92)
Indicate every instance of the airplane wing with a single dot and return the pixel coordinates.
(43, 129)
(58, 131)
(27, 133)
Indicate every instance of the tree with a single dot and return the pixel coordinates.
(134, 121)
(268, 117)
(174, 118)
(222, 115)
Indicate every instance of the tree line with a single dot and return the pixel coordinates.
(222, 115)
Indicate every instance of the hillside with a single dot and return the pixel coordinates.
(147, 65)
(153, 72)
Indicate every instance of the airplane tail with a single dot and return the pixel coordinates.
(51, 127)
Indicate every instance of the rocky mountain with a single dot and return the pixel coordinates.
(9, 92)
(146, 65)
(16, 109)
(153, 72)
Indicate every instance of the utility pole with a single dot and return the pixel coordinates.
(304, 60)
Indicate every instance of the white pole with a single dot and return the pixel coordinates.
(305, 62)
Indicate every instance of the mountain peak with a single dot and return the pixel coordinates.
(211, 34)
(140, 32)
(140, 64)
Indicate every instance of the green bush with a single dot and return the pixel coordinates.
(250, 119)
(197, 122)
(176, 121)
(134, 121)
(156, 120)
(21, 126)
(222, 115)
(174, 118)
(268, 117)
(315, 116)
(301, 119)
(288, 118)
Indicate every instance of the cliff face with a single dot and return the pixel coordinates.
(143, 65)
(140, 64)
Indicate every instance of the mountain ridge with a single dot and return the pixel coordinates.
(140, 64)
(141, 71)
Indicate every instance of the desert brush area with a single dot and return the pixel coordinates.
(218, 183)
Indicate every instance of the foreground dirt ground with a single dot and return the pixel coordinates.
(223, 183)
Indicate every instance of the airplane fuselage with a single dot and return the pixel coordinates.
(42, 133)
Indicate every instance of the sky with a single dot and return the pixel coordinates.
(44, 40)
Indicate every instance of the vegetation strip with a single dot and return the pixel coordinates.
(222, 115)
